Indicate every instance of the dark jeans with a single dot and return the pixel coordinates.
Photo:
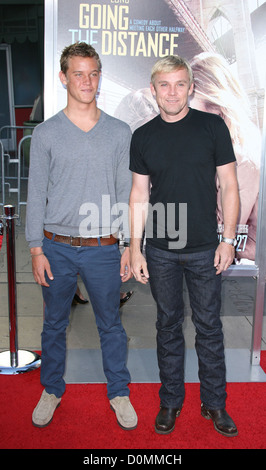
(99, 268)
(166, 269)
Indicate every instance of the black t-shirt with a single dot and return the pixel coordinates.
(181, 160)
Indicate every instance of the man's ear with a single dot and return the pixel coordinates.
(63, 78)
(191, 89)
(153, 92)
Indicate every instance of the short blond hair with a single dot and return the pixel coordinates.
(171, 63)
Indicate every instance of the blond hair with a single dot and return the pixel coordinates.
(217, 86)
(171, 63)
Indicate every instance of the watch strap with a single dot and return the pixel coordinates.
(229, 241)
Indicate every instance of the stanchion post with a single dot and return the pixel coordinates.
(14, 361)
(11, 276)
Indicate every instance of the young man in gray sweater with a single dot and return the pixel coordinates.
(79, 182)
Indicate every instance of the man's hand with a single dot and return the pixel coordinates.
(125, 267)
(224, 257)
(40, 266)
(139, 267)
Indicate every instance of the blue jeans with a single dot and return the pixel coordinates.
(99, 268)
(166, 269)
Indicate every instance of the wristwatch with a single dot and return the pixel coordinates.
(229, 241)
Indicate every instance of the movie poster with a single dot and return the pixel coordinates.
(225, 44)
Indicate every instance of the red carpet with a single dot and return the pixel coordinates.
(84, 419)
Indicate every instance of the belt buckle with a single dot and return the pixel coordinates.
(73, 238)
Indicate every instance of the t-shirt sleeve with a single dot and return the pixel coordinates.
(137, 165)
(224, 147)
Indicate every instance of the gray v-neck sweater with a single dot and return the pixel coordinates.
(79, 182)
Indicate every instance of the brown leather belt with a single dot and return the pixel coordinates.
(80, 241)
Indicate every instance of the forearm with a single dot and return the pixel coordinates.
(229, 198)
(138, 208)
(139, 200)
(225, 252)
(230, 207)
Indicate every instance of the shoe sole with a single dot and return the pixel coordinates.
(44, 425)
(164, 432)
(207, 416)
(121, 425)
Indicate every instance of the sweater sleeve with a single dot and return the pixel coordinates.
(123, 184)
(37, 190)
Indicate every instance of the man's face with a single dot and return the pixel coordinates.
(81, 79)
(171, 90)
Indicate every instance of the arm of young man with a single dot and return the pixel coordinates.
(123, 183)
(225, 253)
(36, 203)
(138, 204)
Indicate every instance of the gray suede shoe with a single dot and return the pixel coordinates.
(44, 411)
(125, 413)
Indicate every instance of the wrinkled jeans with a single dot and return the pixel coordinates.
(166, 270)
(99, 268)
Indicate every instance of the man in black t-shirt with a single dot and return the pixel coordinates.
(175, 159)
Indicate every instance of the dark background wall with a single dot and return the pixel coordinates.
(22, 27)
